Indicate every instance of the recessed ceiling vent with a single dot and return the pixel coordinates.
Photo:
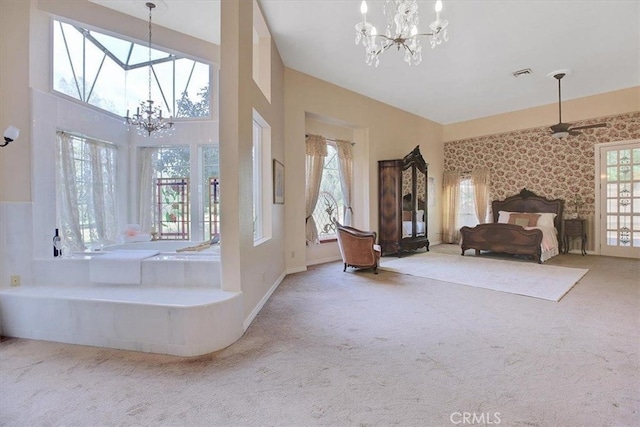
(522, 72)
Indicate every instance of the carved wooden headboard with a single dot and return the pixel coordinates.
(528, 201)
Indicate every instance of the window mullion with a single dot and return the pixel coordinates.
(84, 68)
(172, 110)
(164, 98)
(73, 70)
(95, 80)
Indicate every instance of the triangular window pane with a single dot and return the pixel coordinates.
(118, 47)
(140, 55)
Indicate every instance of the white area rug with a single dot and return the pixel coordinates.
(523, 278)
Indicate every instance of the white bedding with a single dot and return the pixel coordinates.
(549, 244)
(407, 228)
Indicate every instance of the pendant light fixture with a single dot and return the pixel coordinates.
(148, 118)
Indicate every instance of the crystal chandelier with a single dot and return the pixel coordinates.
(148, 119)
(401, 31)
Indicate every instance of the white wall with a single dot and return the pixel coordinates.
(15, 162)
(253, 270)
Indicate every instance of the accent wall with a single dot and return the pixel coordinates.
(533, 159)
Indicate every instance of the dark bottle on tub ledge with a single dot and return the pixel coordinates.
(57, 245)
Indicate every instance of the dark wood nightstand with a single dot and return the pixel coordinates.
(574, 228)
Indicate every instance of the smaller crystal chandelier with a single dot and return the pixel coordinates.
(401, 31)
(148, 119)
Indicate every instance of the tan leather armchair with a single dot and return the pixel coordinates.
(358, 248)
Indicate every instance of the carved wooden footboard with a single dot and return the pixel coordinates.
(508, 238)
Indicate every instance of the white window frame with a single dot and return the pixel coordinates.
(202, 189)
(262, 183)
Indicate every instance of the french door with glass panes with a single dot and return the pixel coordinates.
(620, 199)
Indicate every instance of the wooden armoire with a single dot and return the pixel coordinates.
(402, 186)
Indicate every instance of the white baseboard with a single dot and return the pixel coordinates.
(264, 299)
(296, 270)
(324, 260)
(262, 302)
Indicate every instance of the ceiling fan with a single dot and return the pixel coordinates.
(562, 130)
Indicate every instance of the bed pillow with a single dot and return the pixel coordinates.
(503, 217)
(420, 215)
(524, 219)
(546, 220)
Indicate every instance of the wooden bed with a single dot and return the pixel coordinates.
(511, 238)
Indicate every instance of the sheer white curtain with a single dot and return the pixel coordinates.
(316, 149)
(450, 203)
(68, 218)
(345, 162)
(103, 208)
(86, 205)
(97, 189)
(481, 183)
(147, 188)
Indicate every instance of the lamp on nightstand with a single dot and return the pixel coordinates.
(577, 203)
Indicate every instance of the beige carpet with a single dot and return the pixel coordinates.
(356, 349)
(530, 279)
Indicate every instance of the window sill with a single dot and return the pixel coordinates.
(261, 241)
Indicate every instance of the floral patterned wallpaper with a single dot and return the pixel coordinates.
(532, 159)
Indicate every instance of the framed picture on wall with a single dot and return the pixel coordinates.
(278, 182)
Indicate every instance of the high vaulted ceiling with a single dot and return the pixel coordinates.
(465, 78)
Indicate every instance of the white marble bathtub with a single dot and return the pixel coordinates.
(166, 247)
(178, 308)
(178, 270)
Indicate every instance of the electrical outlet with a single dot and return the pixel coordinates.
(15, 280)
